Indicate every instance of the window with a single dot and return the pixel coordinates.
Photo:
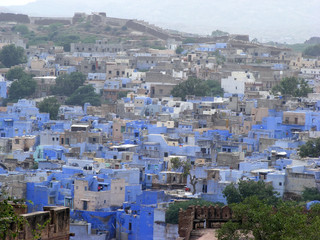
(68, 202)
(85, 188)
(287, 120)
(16, 141)
(280, 183)
(295, 120)
(85, 205)
(204, 188)
(130, 226)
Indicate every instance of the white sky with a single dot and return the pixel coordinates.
(14, 2)
(289, 21)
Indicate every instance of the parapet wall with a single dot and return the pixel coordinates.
(196, 217)
(53, 223)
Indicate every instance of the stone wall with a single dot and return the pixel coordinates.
(54, 222)
(11, 17)
(142, 28)
(199, 217)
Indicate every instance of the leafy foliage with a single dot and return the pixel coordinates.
(50, 105)
(123, 94)
(255, 218)
(179, 50)
(8, 218)
(22, 29)
(172, 214)
(10, 55)
(189, 40)
(15, 73)
(24, 87)
(291, 86)
(197, 87)
(219, 33)
(313, 51)
(311, 194)
(68, 83)
(250, 188)
(310, 149)
(85, 94)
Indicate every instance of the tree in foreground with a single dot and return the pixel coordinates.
(15, 73)
(197, 87)
(67, 84)
(22, 88)
(310, 149)
(50, 105)
(85, 94)
(311, 194)
(292, 86)
(255, 219)
(250, 188)
(10, 55)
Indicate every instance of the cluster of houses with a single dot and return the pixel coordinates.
(111, 164)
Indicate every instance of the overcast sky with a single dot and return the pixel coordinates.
(278, 20)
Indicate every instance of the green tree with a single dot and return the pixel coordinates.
(50, 105)
(67, 84)
(310, 149)
(172, 213)
(189, 40)
(255, 218)
(186, 167)
(179, 50)
(313, 51)
(15, 73)
(311, 194)
(22, 88)
(10, 221)
(10, 55)
(197, 87)
(84, 94)
(219, 33)
(22, 29)
(291, 86)
(250, 188)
